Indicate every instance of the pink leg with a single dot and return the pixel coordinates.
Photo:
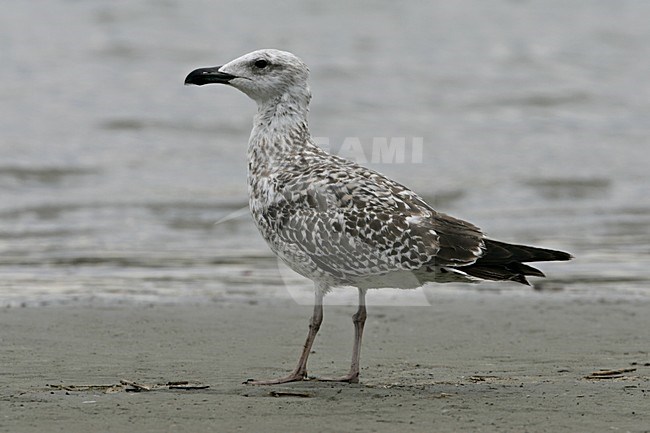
(300, 372)
(359, 320)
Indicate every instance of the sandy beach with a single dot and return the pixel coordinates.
(473, 362)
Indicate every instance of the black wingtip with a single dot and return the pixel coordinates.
(562, 256)
(500, 252)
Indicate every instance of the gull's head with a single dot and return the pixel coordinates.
(264, 75)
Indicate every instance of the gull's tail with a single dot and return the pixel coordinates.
(502, 261)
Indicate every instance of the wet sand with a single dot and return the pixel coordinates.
(473, 362)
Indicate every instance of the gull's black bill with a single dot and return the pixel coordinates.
(203, 76)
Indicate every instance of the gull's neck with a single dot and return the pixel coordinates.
(280, 127)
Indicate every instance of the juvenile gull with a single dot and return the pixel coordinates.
(341, 224)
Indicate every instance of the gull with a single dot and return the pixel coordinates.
(339, 223)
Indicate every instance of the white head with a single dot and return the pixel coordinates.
(264, 75)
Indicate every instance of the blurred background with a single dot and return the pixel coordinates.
(117, 182)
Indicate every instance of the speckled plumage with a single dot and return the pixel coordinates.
(339, 223)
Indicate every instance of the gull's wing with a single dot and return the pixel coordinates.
(352, 222)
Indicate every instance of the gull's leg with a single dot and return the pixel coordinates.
(359, 320)
(300, 372)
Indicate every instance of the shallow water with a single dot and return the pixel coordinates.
(118, 182)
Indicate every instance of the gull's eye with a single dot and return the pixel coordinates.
(261, 64)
